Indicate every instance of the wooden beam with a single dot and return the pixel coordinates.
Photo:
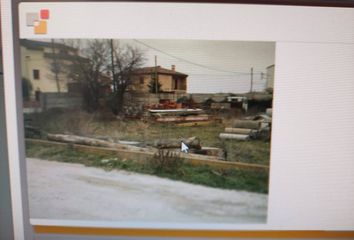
(136, 155)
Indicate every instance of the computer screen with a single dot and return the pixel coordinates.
(185, 116)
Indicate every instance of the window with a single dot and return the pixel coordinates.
(36, 74)
(141, 80)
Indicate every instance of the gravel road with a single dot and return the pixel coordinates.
(72, 191)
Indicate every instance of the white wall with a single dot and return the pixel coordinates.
(312, 154)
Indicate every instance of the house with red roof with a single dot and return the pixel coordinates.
(170, 80)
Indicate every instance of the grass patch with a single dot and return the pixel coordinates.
(254, 181)
(255, 151)
(85, 124)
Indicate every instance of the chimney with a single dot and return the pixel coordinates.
(173, 68)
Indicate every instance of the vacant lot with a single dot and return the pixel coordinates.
(95, 125)
(86, 124)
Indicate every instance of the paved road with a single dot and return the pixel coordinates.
(73, 191)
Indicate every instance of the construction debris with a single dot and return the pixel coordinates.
(262, 118)
(238, 102)
(243, 137)
(196, 123)
(241, 131)
(183, 119)
(248, 124)
(183, 115)
(212, 151)
(133, 143)
(72, 139)
(192, 142)
(168, 111)
(220, 106)
(257, 127)
(165, 104)
(264, 133)
(194, 159)
(196, 154)
(181, 111)
(266, 124)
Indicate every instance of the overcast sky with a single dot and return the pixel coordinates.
(212, 66)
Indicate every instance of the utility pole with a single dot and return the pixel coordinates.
(251, 88)
(55, 66)
(155, 74)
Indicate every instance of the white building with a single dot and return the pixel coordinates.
(38, 61)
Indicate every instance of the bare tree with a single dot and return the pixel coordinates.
(89, 65)
(124, 59)
(59, 60)
(98, 58)
(55, 65)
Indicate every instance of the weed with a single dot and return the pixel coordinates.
(166, 161)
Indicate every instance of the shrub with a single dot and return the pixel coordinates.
(26, 88)
(166, 161)
(154, 85)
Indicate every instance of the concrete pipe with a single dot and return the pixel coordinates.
(240, 137)
(246, 124)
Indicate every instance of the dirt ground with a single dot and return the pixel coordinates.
(72, 191)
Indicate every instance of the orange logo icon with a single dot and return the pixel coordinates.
(38, 21)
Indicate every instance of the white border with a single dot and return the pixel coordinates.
(20, 211)
(149, 20)
(268, 23)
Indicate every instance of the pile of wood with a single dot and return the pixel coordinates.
(196, 151)
(88, 141)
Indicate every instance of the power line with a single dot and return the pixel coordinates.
(222, 75)
(187, 61)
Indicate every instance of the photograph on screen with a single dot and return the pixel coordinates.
(148, 130)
